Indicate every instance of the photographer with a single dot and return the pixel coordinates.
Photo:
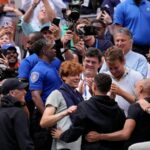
(83, 33)
(101, 34)
(90, 36)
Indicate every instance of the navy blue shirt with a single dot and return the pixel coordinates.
(102, 44)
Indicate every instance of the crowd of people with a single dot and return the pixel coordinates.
(69, 82)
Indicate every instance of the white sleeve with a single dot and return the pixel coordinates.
(54, 99)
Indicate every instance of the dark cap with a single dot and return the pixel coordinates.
(8, 46)
(12, 84)
(44, 27)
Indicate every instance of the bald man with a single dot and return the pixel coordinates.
(145, 105)
(136, 127)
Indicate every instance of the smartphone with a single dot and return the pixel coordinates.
(56, 21)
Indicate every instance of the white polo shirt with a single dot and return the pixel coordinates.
(127, 83)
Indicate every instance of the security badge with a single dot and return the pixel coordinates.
(34, 77)
(148, 8)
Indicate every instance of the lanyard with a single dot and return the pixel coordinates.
(97, 44)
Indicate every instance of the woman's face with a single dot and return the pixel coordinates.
(42, 16)
(72, 80)
(4, 39)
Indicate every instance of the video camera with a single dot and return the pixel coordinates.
(72, 13)
(87, 30)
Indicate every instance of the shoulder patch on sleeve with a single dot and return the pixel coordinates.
(34, 77)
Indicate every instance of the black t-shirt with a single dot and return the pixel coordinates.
(141, 132)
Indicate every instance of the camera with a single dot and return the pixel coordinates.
(87, 30)
(72, 14)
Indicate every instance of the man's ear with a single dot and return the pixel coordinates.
(12, 92)
(63, 78)
(141, 89)
(94, 88)
(101, 62)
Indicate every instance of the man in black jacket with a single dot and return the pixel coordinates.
(99, 113)
(14, 130)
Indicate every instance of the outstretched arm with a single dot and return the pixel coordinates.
(70, 135)
(27, 16)
(49, 117)
(75, 131)
(123, 134)
(50, 12)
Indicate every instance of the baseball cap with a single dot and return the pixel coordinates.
(12, 84)
(45, 27)
(8, 46)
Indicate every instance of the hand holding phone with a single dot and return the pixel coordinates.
(56, 21)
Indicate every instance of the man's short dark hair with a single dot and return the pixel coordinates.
(98, 22)
(83, 21)
(94, 52)
(114, 53)
(36, 35)
(103, 82)
(39, 45)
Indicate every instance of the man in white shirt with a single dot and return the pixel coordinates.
(124, 79)
(123, 40)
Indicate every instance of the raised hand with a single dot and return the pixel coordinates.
(67, 37)
(143, 104)
(116, 89)
(55, 30)
(72, 109)
(80, 46)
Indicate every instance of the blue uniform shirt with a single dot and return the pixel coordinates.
(136, 19)
(28, 63)
(44, 77)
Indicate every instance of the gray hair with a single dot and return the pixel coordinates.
(124, 31)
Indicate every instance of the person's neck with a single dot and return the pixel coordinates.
(99, 93)
(45, 58)
(43, 21)
(121, 75)
(137, 2)
(125, 53)
(143, 95)
(91, 42)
